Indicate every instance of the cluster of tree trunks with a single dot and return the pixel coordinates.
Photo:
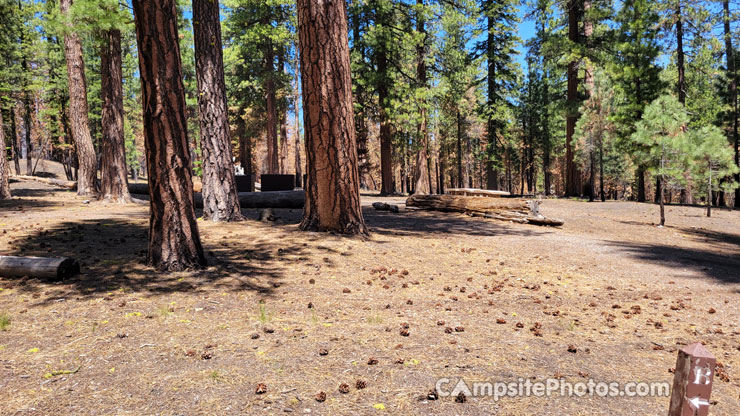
(507, 209)
(55, 268)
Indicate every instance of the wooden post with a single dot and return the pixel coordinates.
(692, 382)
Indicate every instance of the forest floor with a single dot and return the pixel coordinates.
(304, 312)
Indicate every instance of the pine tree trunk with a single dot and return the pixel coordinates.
(297, 132)
(220, 198)
(27, 128)
(4, 168)
(174, 240)
(15, 145)
(732, 76)
(386, 141)
(114, 178)
(491, 171)
(273, 165)
(640, 184)
(601, 172)
(86, 159)
(245, 143)
(571, 174)
(333, 190)
(421, 168)
(661, 196)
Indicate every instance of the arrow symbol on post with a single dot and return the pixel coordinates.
(696, 402)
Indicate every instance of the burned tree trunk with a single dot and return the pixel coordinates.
(333, 188)
(87, 175)
(220, 201)
(174, 240)
(114, 178)
(4, 168)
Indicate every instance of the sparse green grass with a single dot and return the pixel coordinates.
(264, 316)
(215, 375)
(4, 321)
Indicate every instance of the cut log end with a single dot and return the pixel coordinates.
(54, 268)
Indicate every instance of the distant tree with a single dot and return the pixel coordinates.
(220, 198)
(634, 72)
(498, 48)
(664, 142)
(712, 161)
(333, 187)
(595, 127)
(174, 240)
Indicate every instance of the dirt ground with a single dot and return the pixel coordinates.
(303, 313)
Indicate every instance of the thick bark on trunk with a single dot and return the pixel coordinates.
(273, 165)
(732, 75)
(114, 178)
(220, 200)
(174, 240)
(4, 168)
(460, 183)
(421, 168)
(333, 189)
(601, 173)
(87, 162)
(681, 84)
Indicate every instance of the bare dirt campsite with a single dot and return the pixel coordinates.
(607, 296)
(369, 207)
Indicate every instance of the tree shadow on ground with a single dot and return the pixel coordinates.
(416, 223)
(710, 236)
(723, 267)
(112, 255)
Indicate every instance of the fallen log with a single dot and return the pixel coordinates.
(505, 209)
(52, 268)
(49, 181)
(278, 199)
(477, 192)
(142, 188)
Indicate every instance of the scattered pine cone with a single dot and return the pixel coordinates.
(461, 398)
(372, 361)
(344, 388)
(440, 323)
(206, 356)
(360, 384)
(323, 351)
(320, 397)
(404, 332)
(448, 330)
(459, 329)
(261, 389)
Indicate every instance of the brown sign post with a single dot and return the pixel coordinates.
(692, 383)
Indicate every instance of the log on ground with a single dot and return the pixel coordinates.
(49, 181)
(478, 192)
(506, 209)
(51, 268)
(280, 199)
